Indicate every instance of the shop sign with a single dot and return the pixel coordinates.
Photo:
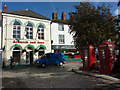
(33, 42)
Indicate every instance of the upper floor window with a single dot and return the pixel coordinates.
(29, 31)
(61, 39)
(16, 29)
(40, 32)
(60, 27)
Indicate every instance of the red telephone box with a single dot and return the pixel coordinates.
(106, 57)
(89, 57)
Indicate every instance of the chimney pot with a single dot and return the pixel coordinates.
(5, 8)
(63, 16)
(54, 15)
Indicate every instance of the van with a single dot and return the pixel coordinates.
(51, 58)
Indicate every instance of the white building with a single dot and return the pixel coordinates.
(62, 40)
(26, 35)
(0, 31)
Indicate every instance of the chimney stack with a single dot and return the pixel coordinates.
(63, 16)
(54, 15)
(4, 8)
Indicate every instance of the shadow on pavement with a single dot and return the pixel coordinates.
(12, 83)
(35, 69)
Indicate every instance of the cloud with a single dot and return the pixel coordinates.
(117, 11)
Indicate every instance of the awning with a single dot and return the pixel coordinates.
(63, 47)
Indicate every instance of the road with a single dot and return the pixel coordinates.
(50, 77)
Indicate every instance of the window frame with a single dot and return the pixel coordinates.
(40, 33)
(63, 39)
(15, 31)
(28, 34)
(59, 27)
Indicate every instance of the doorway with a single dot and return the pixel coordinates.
(16, 55)
(29, 56)
(41, 51)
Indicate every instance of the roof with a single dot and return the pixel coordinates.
(60, 21)
(28, 13)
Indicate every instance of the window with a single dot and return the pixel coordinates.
(47, 55)
(29, 31)
(60, 27)
(16, 30)
(40, 32)
(61, 39)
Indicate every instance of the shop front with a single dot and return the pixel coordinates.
(29, 53)
(69, 50)
(25, 53)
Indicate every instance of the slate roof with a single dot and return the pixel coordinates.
(28, 13)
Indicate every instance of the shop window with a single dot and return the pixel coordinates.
(60, 27)
(29, 31)
(61, 39)
(16, 29)
(40, 32)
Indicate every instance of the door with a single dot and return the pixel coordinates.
(41, 52)
(27, 57)
(31, 57)
(16, 55)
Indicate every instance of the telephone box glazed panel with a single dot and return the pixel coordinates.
(106, 57)
(89, 57)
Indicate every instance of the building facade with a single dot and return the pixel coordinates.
(62, 40)
(26, 36)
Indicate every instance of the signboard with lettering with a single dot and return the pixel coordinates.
(31, 42)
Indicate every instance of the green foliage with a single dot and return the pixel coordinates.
(91, 25)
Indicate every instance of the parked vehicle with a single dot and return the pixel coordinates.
(51, 58)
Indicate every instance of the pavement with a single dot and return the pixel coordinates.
(52, 77)
(96, 74)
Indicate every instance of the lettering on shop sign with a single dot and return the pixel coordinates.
(40, 42)
(33, 42)
(20, 41)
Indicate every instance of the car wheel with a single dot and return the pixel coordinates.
(61, 63)
(43, 65)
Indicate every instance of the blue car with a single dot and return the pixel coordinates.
(51, 58)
